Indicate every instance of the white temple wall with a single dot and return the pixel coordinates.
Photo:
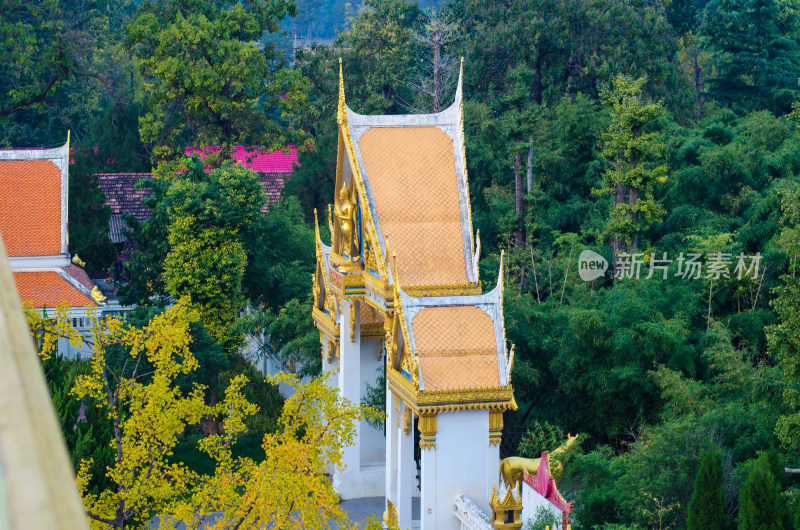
(349, 383)
(373, 441)
(532, 501)
(462, 444)
(357, 480)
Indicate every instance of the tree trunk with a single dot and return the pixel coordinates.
(633, 198)
(698, 79)
(616, 242)
(530, 163)
(519, 236)
(538, 89)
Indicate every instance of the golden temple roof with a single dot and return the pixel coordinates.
(412, 175)
(457, 348)
(410, 258)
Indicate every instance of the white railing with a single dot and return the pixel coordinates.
(470, 515)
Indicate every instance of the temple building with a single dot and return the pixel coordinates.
(398, 291)
(34, 228)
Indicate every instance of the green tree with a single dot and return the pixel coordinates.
(630, 146)
(382, 41)
(572, 47)
(45, 44)
(707, 506)
(756, 46)
(61, 62)
(518, 120)
(87, 431)
(211, 216)
(281, 256)
(210, 83)
(784, 337)
(88, 218)
(761, 505)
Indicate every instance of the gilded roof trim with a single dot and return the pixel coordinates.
(346, 146)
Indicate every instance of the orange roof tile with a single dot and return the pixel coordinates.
(79, 274)
(48, 289)
(456, 348)
(412, 175)
(30, 207)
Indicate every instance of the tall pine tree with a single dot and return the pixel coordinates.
(761, 505)
(707, 506)
(756, 45)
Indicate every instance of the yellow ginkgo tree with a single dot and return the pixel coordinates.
(290, 488)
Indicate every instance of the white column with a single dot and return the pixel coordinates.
(391, 447)
(427, 503)
(350, 388)
(407, 471)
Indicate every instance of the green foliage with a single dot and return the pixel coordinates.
(707, 505)
(375, 396)
(542, 437)
(209, 84)
(543, 518)
(210, 218)
(89, 216)
(45, 45)
(87, 432)
(382, 39)
(784, 337)
(573, 47)
(761, 505)
(287, 336)
(756, 46)
(631, 147)
(281, 255)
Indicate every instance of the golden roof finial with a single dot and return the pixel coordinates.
(341, 116)
(316, 234)
(500, 276)
(97, 295)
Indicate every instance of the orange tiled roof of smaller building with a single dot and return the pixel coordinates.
(48, 289)
(80, 275)
(30, 207)
(456, 347)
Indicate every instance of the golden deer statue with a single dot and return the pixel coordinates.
(511, 468)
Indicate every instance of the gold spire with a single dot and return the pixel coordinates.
(460, 79)
(500, 277)
(316, 234)
(341, 116)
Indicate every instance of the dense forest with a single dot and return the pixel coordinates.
(649, 130)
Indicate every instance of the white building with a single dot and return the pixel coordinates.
(34, 227)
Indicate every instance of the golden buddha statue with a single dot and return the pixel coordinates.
(346, 216)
